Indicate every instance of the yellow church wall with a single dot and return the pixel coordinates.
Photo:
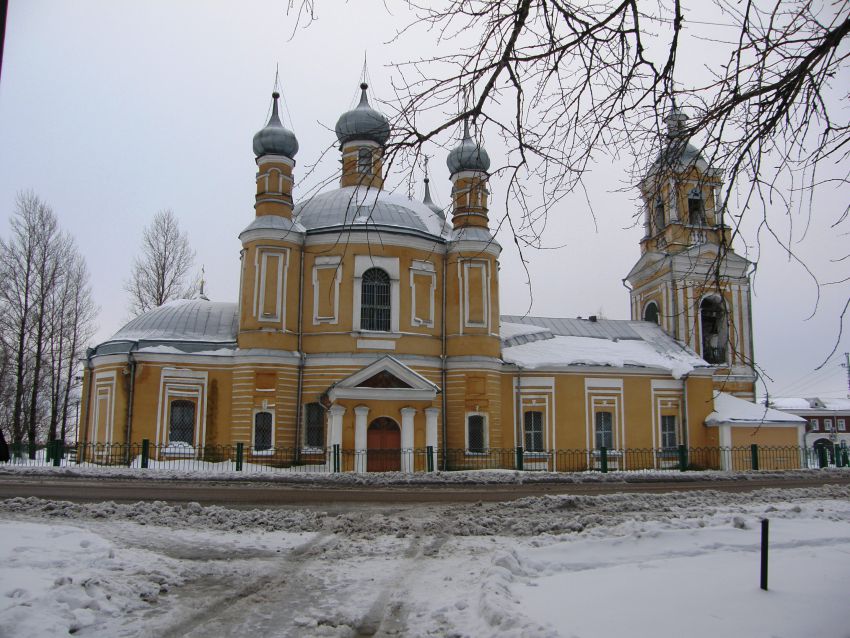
(278, 333)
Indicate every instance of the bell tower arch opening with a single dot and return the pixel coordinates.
(714, 328)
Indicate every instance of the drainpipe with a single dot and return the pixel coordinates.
(300, 389)
(685, 437)
(132, 380)
(444, 400)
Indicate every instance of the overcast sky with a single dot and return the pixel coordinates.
(111, 111)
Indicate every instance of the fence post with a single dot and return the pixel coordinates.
(520, 458)
(603, 459)
(429, 454)
(844, 460)
(146, 453)
(683, 458)
(57, 453)
(764, 549)
(822, 457)
(240, 451)
(336, 457)
(754, 455)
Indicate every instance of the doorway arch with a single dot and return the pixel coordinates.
(383, 443)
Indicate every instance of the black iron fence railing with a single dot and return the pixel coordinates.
(242, 458)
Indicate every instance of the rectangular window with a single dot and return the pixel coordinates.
(182, 423)
(604, 430)
(314, 430)
(668, 432)
(534, 431)
(813, 424)
(842, 425)
(827, 425)
(476, 433)
(262, 431)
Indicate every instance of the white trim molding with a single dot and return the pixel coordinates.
(326, 263)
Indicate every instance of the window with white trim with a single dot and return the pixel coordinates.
(533, 423)
(314, 425)
(813, 425)
(263, 431)
(604, 430)
(476, 433)
(668, 432)
(181, 422)
(841, 424)
(659, 214)
(375, 301)
(827, 425)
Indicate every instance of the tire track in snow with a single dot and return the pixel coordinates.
(388, 614)
(220, 616)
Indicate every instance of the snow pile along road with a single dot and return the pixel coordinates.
(544, 566)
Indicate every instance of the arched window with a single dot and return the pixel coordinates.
(650, 313)
(604, 430)
(714, 330)
(696, 207)
(314, 425)
(375, 300)
(658, 214)
(533, 431)
(364, 161)
(262, 431)
(181, 425)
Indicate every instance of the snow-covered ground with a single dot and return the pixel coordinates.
(591, 566)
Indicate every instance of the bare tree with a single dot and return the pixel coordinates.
(72, 314)
(160, 272)
(46, 314)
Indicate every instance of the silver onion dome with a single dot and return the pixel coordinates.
(275, 139)
(363, 123)
(468, 155)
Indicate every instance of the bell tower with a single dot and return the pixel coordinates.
(472, 318)
(689, 280)
(271, 245)
(362, 134)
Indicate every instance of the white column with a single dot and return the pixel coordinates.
(431, 415)
(407, 415)
(361, 416)
(336, 411)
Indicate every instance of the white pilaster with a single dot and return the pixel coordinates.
(361, 416)
(407, 415)
(431, 415)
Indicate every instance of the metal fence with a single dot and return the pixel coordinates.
(242, 458)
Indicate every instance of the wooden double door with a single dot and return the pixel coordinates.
(383, 443)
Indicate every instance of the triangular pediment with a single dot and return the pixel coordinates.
(386, 378)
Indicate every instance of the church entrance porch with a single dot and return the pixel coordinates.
(383, 443)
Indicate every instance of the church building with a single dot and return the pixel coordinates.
(368, 323)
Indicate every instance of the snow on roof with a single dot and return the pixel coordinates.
(811, 403)
(508, 329)
(731, 409)
(839, 405)
(575, 342)
(790, 403)
(571, 351)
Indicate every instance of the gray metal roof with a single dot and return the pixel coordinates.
(353, 206)
(194, 323)
(601, 329)
(274, 222)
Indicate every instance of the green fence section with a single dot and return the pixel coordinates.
(243, 458)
